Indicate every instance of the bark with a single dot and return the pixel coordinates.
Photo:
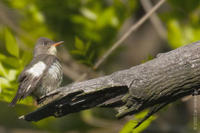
(154, 84)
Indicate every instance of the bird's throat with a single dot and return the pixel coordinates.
(52, 51)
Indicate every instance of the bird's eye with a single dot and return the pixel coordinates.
(45, 43)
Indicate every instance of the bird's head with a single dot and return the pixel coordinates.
(46, 46)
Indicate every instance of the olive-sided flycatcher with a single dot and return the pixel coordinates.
(43, 74)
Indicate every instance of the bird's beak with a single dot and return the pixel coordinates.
(57, 43)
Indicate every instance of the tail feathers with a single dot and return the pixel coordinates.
(18, 96)
(14, 101)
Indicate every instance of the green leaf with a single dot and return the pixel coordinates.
(88, 13)
(25, 59)
(79, 44)
(2, 57)
(149, 57)
(129, 127)
(174, 33)
(181, 34)
(12, 62)
(6, 91)
(77, 52)
(11, 44)
(3, 71)
(4, 83)
(108, 17)
(12, 74)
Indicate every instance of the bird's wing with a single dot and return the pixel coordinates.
(31, 76)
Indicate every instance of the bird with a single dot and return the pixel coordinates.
(42, 75)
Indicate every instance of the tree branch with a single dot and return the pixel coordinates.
(156, 22)
(153, 84)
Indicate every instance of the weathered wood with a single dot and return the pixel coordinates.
(155, 83)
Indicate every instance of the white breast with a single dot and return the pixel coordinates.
(37, 69)
(54, 70)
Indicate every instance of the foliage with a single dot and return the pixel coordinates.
(183, 22)
(14, 58)
(129, 127)
(10, 66)
(94, 22)
(88, 28)
(97, 22)
(11, 44)
(83, 52)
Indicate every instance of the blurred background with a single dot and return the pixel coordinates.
(89, 28)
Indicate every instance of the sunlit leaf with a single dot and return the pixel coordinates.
(175, 33)
(36, 14)
(79, 44)
(196, 33)
(2, 57)
(12, 73)
(87, 115)
(129, 127)
(11, 44)
(26, 57)
(108, 17)
(88, 13)
(12, 62)
(4, 83)
(3, 71)
(149, 57)
(8, 91)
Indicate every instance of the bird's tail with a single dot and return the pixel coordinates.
(14, 101)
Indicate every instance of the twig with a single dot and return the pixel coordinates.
(133, 28)
(154, 19)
